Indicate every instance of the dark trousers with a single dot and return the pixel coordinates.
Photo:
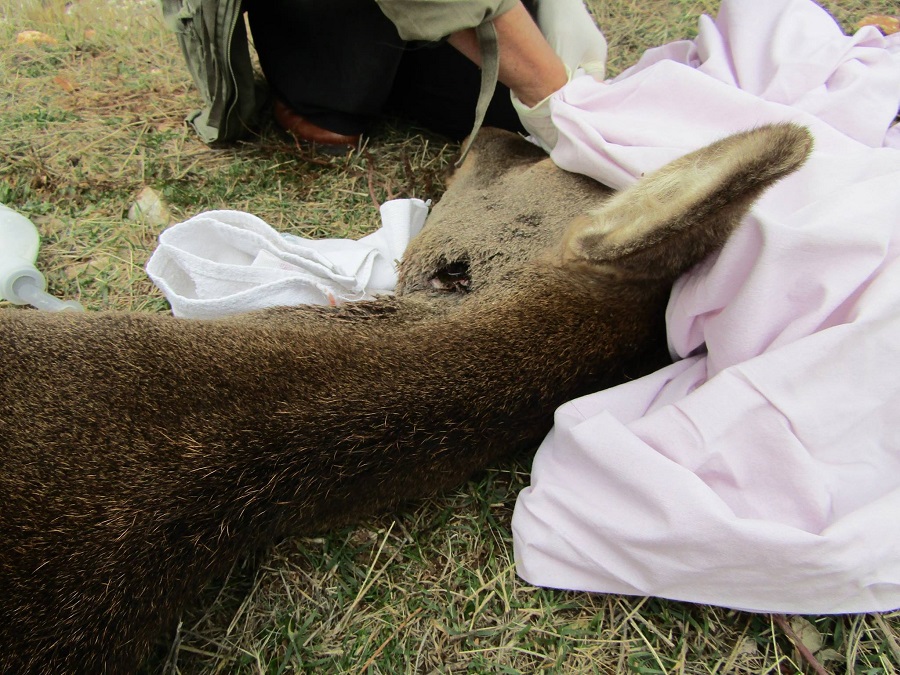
(341, 64)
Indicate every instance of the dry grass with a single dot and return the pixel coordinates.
(89, 121)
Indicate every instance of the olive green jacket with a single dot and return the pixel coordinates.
(213, 39)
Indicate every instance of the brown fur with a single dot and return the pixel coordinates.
(142, 454)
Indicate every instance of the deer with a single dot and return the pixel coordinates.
(143, 454)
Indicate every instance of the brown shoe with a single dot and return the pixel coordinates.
(305, 131)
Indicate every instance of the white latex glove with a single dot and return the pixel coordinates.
(570, 29)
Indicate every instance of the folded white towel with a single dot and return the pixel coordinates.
(226, 262)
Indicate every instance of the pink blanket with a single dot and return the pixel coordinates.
(761, 471)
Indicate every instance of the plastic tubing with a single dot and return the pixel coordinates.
(20, 281)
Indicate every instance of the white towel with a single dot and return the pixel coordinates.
(227, 262)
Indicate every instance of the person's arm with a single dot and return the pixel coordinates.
(528, 64)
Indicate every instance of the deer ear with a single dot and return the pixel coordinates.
(673, 218)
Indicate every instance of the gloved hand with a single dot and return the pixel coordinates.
(571, 31)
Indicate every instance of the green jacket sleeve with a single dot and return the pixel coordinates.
(431, 20)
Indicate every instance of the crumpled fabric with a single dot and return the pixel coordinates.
(761, 470)
(226, 262)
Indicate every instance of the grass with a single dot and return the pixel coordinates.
(90, 120)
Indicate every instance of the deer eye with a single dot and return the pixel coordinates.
(452, 277)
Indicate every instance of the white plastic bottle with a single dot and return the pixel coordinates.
(20, 281)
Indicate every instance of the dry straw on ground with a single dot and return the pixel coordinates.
(92, 115)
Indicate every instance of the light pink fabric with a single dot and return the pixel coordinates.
(762, 472)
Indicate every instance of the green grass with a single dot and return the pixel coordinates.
(88, 122)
